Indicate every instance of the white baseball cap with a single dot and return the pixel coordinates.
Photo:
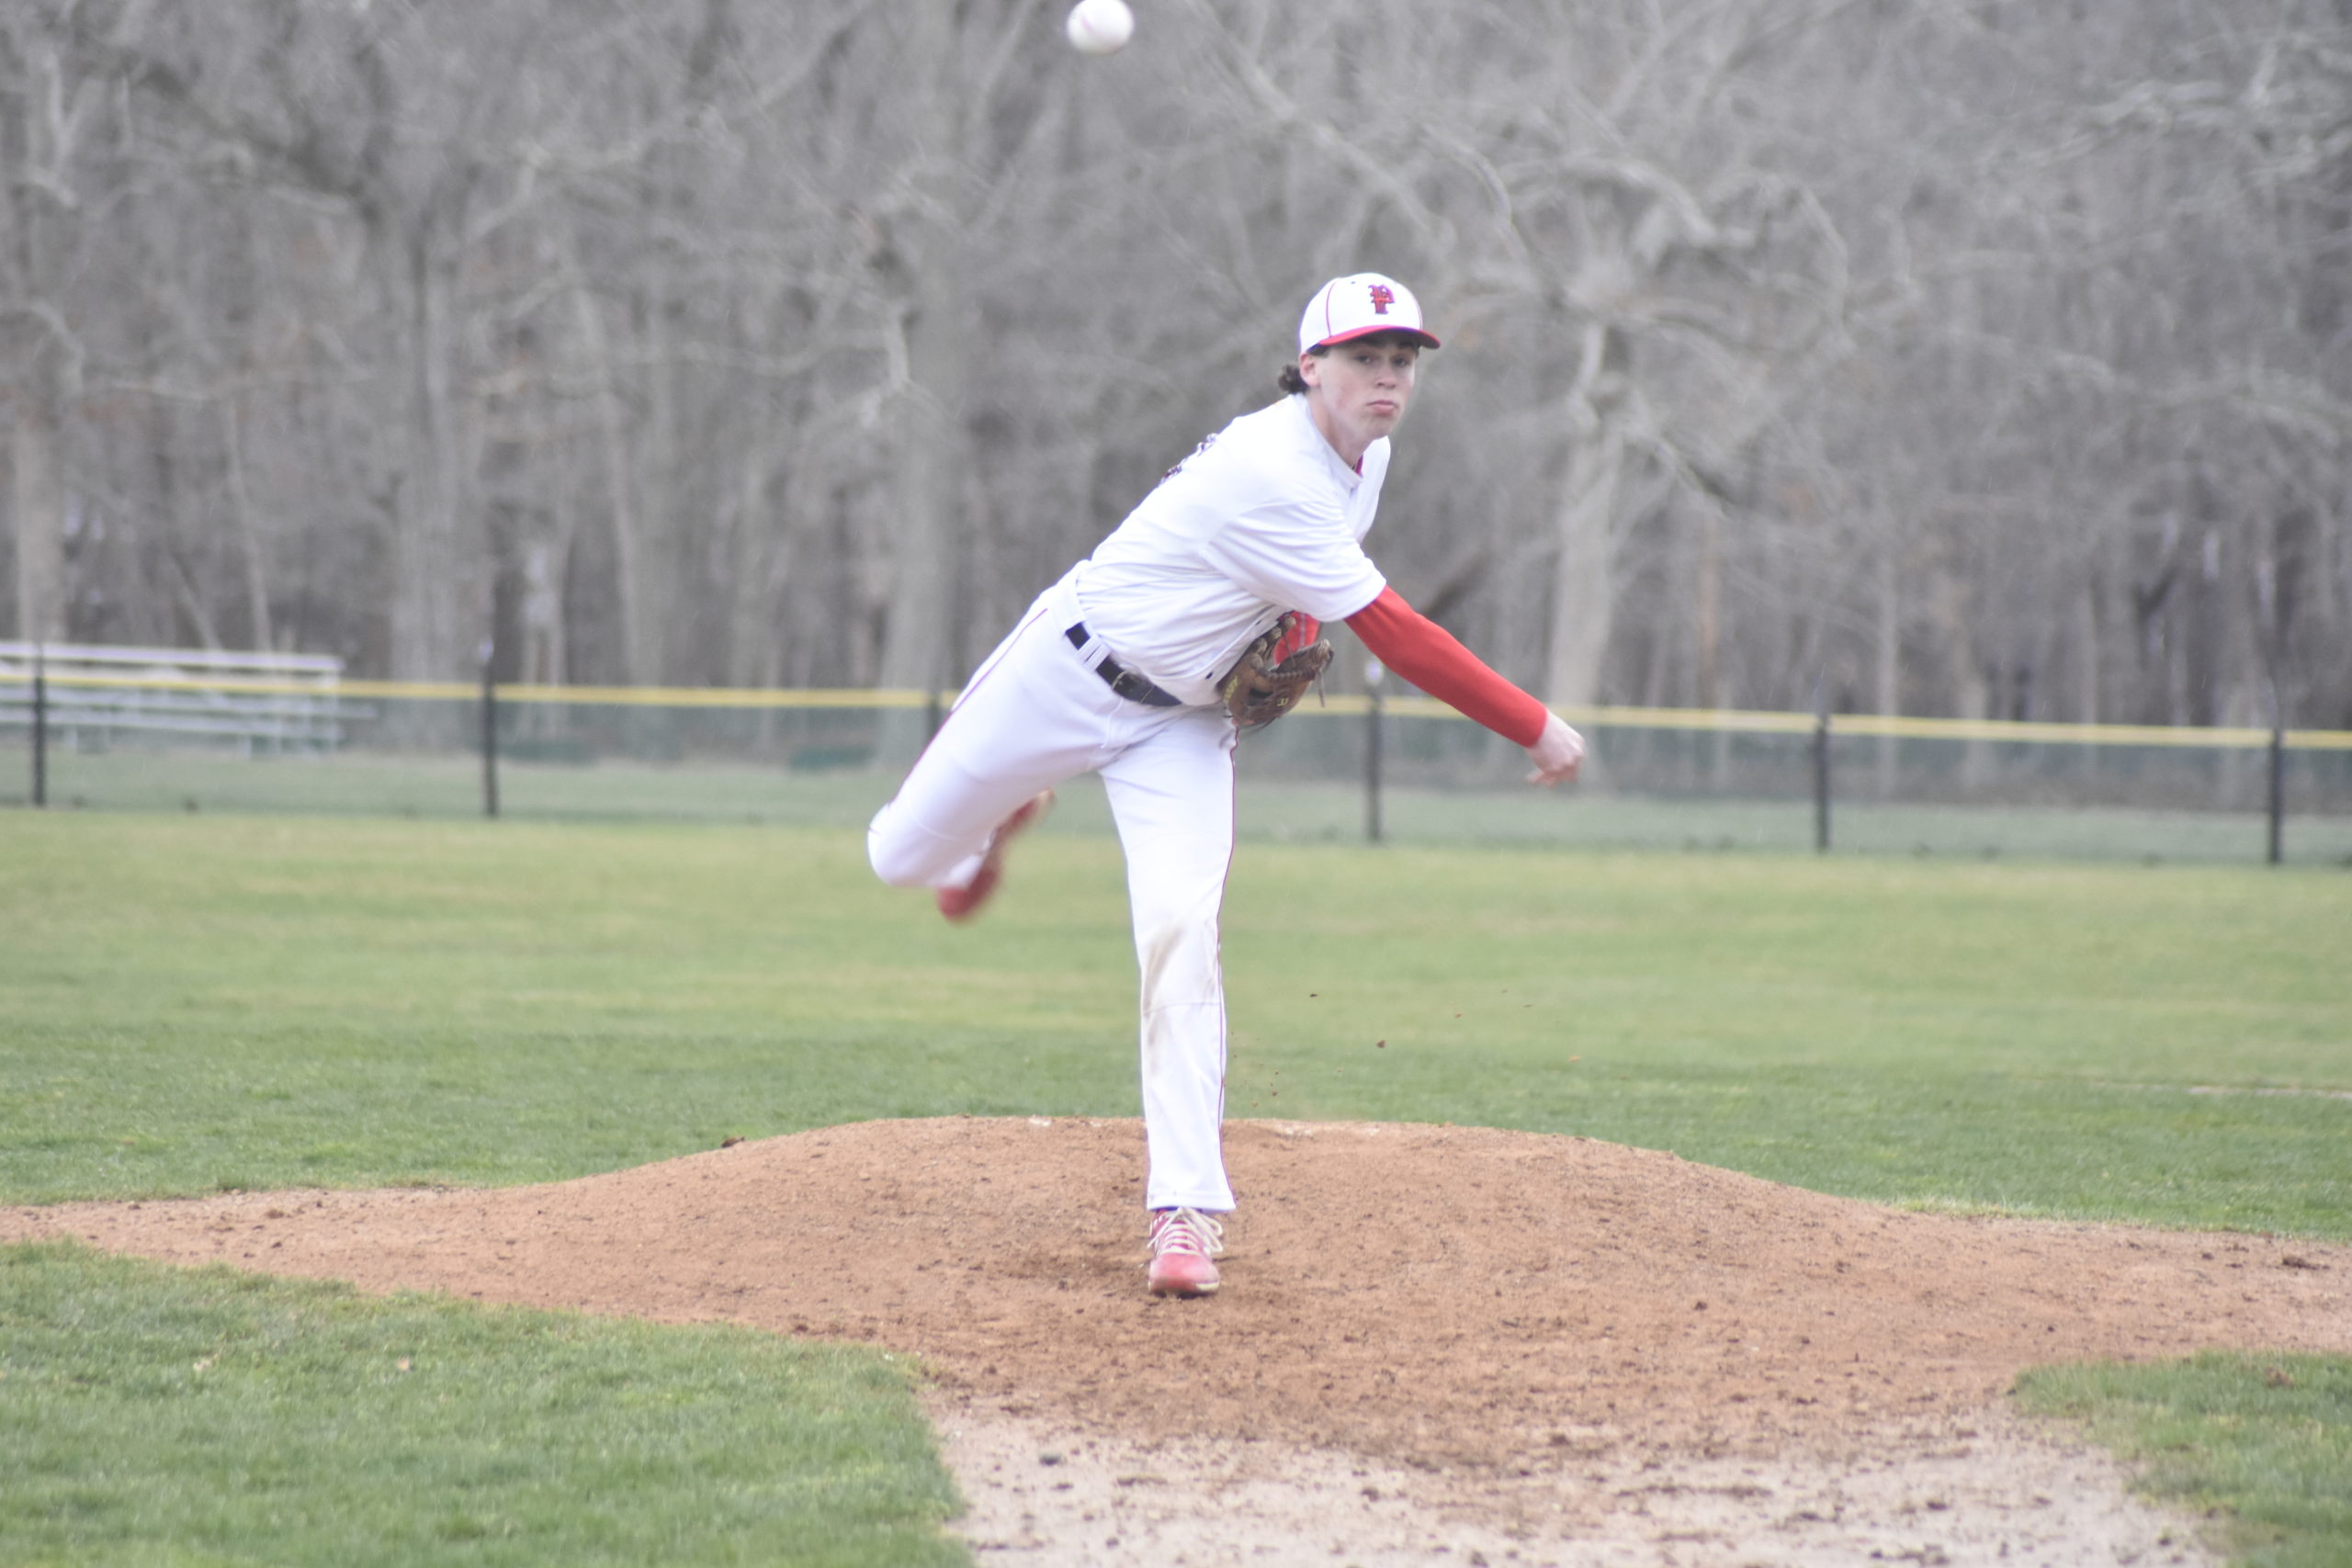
(1357, 306)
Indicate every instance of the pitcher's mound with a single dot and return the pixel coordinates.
(1425, 1295)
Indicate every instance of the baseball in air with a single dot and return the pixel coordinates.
(1100, 26)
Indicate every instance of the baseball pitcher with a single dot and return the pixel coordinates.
(1200, 615)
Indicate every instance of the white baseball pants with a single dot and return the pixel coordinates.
(1033, 714)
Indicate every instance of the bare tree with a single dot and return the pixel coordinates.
(1984, 359)
(50, 110)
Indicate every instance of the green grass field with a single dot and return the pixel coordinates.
(2264, 1441)
(209, 1416)
(191, 1003)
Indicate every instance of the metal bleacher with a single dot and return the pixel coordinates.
(93, 697)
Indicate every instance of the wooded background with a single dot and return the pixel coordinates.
(1974, 357)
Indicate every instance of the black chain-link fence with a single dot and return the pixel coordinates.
(1410, 770)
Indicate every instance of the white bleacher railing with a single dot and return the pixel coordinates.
(256, 701)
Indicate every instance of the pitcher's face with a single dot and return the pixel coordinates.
(1359, 391)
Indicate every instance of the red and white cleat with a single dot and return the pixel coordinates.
(1183, 1242)
(963, 903)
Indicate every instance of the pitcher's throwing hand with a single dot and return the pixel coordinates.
(1557, 753)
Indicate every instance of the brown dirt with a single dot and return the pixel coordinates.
(1420, 1296)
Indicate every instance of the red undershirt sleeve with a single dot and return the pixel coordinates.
(1426, 654)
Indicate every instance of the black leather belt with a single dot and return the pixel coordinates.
(1120, 679)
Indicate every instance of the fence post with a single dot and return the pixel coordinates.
(1820, 773)
(489, 738)
(40, 724)
(2278, 779)
(1372, 827)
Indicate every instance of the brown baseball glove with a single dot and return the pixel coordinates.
(1275, 671)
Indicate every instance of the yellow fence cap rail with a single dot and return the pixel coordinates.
(1728, 720)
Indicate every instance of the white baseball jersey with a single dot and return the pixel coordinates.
(1263, 518)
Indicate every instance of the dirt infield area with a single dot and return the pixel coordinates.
(1435, 1344)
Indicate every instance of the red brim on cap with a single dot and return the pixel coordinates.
(1423, 339)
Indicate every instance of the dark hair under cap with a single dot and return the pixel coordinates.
(1289, 381)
